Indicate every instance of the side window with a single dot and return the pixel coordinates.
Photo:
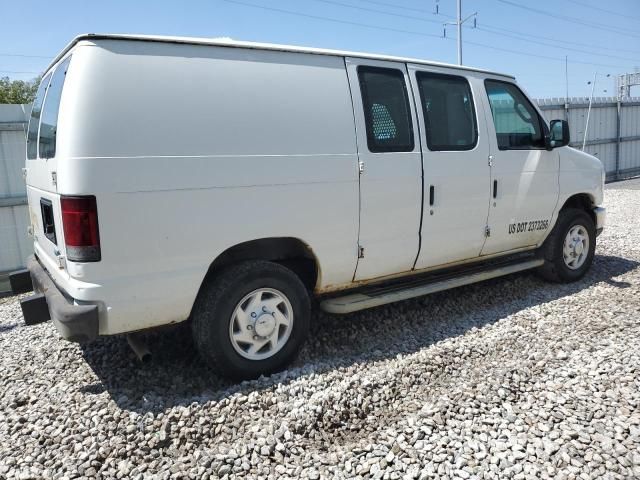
(449, 114)
(34, 119)
(517, 122)
(386, 109)
(49, 121)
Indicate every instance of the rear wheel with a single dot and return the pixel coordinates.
(251, 319)
(569, 249)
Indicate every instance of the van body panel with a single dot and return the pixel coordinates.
(523, 209)
(580, 173)
(172, 173)
(283, 100)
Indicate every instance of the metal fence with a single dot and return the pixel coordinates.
(15, 245)
(613, 134)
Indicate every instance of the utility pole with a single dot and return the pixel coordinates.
(458, 23)
(566, 75)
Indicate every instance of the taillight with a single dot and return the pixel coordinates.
(80, 225)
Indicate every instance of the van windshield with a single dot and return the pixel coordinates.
(34, 120)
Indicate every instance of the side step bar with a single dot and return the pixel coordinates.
(377, 296)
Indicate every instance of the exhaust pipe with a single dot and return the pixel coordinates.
(139, 347)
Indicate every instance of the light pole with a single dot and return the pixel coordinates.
(586, 127)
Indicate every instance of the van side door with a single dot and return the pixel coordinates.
(524, 175)
(455, 154)
(390, 167)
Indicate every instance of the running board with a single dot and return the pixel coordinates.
(381, 296)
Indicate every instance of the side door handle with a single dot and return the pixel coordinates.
(495, 188)
(432, 195)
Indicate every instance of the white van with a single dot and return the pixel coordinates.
(229, 183)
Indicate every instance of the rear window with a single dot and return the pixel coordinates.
(386, 109)
(34, 120)
(49, 117)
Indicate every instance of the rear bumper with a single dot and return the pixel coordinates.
(601, 215)
(76, 323)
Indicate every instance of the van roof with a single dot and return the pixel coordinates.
(223, 42)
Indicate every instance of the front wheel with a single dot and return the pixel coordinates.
(251, 319)
(569, 249)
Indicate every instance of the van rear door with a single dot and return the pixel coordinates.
(41, 163)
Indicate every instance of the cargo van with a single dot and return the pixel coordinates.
(234, 185)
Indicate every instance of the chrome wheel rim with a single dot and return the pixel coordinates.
(261, 324)
(576, 247)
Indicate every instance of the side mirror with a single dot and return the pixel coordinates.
(558, 134)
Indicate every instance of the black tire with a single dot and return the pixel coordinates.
(216, 303)
(555, 269)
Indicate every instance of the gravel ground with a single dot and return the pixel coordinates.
(513, 378)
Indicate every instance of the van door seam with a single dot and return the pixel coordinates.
(421, 168)
(355, 131)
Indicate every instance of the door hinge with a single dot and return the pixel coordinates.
(487, 231)
(491, 160)
(360, 251)
(54, 178)
(24, 173)
(361, 167)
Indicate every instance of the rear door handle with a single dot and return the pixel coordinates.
(495, 188)
(431, 195)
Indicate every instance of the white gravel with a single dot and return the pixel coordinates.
(513, 378)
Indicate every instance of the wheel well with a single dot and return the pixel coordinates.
(581, 201)
(287, 251)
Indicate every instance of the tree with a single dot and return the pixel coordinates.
(18, 91)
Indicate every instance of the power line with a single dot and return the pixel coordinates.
(23, 55)
(329, 19)
(587, 45)
(557, 59)
(366, 9)
(392, 5)
(412, 32)
(488, 30)
(577, 21)
(494, 27)
(484, 29)
(623, 15)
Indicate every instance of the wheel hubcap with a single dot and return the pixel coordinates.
(576, 247)
(265, 325)
(261, 324)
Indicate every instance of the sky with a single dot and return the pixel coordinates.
(527, 39)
